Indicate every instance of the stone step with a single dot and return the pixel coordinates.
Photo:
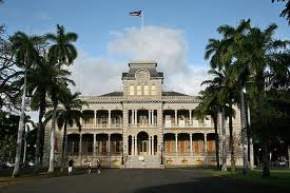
(143, 162)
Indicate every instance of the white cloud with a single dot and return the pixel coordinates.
(164, 45)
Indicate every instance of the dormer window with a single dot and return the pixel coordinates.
(139, 90)
(131, 90)
(153, 90)
(146, 90)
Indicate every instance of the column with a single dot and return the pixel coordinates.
(190, 118)
(150, 150)
(152, 145)
(149, 117)
(136, 120)
(109, 119)
(109, 144)
(176, 143)
(132, 117)
(94, 145)
(205, 143)
(80, 146)
(132, 145)
(135, 145)
(153, 118)
(175, 115)
(190, 139)
(95, 118)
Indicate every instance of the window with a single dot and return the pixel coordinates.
(146, 90)
(139, 90)
(153, 90)
(131, 90)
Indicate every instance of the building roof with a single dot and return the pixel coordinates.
(173, 93)
(135, 66)
(131, 74)
(111, 94)
(164, 93)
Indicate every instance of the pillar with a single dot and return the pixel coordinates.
(150, 150)
(175, 115)
(154, 119)
(135, 146)
(190, 117)
(94, 145)
(109, 144)
(132, 145)
(95, 118)
(152, 145)
(149, 118)
(132, 117)
(109, 119)
(125, 145)
(135, 117)
(205, 143)
(190, 140)
(80, 146)
(176, 143)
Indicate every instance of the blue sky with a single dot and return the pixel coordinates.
(97, 22)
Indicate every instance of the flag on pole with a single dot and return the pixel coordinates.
(136, 13)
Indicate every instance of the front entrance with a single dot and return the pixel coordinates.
(143, 143)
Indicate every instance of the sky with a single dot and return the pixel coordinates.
(175, 34)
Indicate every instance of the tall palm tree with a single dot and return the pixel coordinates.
(26, 55)
(209, 105)
(68, 115)
(250, 50)
(42, 80)
(222, 88)
(61, 52)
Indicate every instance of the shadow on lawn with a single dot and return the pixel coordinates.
(213, 185)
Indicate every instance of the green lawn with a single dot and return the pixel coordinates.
(279, 177)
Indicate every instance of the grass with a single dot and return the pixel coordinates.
(278, 178)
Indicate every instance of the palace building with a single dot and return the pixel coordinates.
(142, 126)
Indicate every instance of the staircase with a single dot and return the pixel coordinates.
(144, 161)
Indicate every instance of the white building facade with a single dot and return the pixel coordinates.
(142, 126)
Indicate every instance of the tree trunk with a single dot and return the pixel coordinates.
(216, 142)
(52, 140)
(250, 139)
(233, 161)
(289, 155)
(223, 140)
(266, 160)
(40, 129)
(20, 130)
(64, 148)
(244, 136)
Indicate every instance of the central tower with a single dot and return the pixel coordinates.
(142, 80)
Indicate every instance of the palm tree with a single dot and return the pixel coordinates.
(26, 55)
(61, 52)
(250, 51)
(228, 49)
(209, 106)
(222, 90)
(68, 115)
(286, 11)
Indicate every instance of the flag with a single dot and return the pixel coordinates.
(136, 13)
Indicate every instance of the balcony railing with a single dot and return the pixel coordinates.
(182, 124)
